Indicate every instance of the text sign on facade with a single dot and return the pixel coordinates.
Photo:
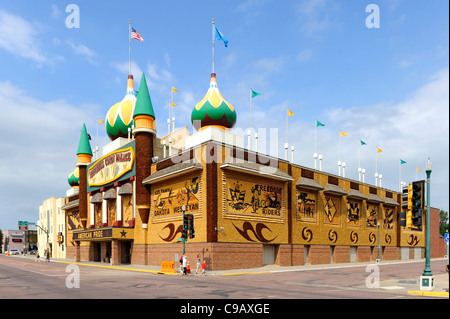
(111, 167)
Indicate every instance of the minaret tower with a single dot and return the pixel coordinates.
(143, 132)
(84, 154)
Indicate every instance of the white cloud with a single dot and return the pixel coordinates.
(39, 144)
(56, 13)
(19, 37)
(82, 50)
(123, 67)
(314, 16)
(305, 55)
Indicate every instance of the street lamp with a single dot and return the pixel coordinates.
(427, 278)
(378, 257)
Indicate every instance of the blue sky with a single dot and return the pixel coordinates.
(387, 86)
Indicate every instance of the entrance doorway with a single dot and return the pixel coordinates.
(125, 257)
(268, 254)
(97, 252)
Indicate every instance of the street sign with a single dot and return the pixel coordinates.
(23, 225)
(446, 237)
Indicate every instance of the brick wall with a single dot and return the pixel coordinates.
(341, 254)
(363, 254)
(391, 253)
(319, 254)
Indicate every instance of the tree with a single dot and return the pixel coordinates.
(443, 226)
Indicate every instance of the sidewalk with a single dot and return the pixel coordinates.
(408, 286)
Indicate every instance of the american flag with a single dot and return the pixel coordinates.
(136, 35)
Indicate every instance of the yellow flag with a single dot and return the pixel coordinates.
(290, 113)
(100, 121)
(379, 151)
(418, 169)
(173, 104)
(343, 134)
(174, 89)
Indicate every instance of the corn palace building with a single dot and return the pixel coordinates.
(249, 209)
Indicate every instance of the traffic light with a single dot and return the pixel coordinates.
(191, 225)
(417, 202)
(402, 214)
(409, 206)
(185, 226)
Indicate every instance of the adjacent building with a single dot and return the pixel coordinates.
(51, 228)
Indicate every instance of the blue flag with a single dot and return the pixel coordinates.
(220, 36)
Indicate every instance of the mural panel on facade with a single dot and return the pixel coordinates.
(246, 199)
(331, 210)
(306, 206)
(73, 220)
(372, 215)
(169, 200)
(388, 222)
(127, 209)
(353, 213)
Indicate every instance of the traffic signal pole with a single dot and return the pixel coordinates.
(427, 270)
(184, 239)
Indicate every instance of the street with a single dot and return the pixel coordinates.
(23, 278)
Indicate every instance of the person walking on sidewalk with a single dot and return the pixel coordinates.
(184, 265)
(203, 267)
(199, 264)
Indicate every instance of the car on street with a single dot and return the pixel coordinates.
(14, 252)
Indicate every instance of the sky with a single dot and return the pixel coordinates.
(384, 83)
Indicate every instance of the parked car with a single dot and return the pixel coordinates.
(14, 252)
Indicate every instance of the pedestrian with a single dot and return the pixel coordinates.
(199, 264)
(184, 265)
(37, 257)
(203, 267)
(181, 263)
(47, 255)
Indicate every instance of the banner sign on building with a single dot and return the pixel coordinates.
(111, 167)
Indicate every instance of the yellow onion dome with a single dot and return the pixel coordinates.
(74, 178)
(120, 116)
(213, 110)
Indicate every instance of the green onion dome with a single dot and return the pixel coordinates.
(213, 110)
(120, 116)
(74, 178)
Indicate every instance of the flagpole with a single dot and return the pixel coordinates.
(315, 138)
(213, 45)
(287, 121)
(376, 162)
(96, 148)
(251, 108)
(129, 46)
(400, 175)
(171, 109)
(340, 136)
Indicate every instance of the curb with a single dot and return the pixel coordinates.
(246, 273)
(119, 268)
(429, 293)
